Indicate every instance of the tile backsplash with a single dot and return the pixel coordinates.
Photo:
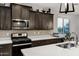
(30, 32)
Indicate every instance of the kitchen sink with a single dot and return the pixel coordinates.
(66, 45)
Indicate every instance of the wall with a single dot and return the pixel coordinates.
(77, 25)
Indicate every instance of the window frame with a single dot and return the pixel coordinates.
(63, 24)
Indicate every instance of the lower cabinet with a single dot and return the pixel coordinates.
(46, 42)
(6, 50)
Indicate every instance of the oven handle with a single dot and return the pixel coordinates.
(22, 44)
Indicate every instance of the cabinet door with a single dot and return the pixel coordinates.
(5, 18)
(2, 18)
(16, 11)
(44, 21)
(32, 20)
(47, 22)
(6, 50)
(41, 21)
(50, 22)
(7, 24)
(20, 12)
(25, 13)
(38, 21)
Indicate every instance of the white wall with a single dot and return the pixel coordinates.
(77, 25)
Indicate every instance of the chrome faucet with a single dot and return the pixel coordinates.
(76, 40)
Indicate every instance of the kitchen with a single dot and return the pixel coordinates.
(26, 28)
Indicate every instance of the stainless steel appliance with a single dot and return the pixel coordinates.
(20, 24)
(20, 41)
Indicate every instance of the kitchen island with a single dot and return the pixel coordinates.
(51, 50)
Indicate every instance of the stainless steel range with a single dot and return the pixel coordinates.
(20, 41)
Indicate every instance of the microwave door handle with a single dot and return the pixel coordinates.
(27, 23)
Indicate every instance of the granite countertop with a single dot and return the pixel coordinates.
(5, 40)
(43, 37)
(51, 50)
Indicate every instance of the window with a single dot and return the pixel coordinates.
(63, 25)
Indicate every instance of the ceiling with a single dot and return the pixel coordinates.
(54, 7)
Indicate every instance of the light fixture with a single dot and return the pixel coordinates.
(66, 7)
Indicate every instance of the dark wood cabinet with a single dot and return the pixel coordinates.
(25, 13)
(5, 18)
(47, 21)
(32, 21)
(20, 11)
(6, 50)
(38, 21)
(41, 21)
(8, 19)
(16, 11)
(46, 42)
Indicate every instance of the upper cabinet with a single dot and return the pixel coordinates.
(47, 21)
(32, 20)
(38, 22)
(41, 21)
(20, 11)
(16, 11)
(5, 18)
(25, 13)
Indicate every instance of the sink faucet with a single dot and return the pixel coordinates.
(76, 40)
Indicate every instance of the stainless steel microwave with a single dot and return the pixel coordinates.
(20, 24)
